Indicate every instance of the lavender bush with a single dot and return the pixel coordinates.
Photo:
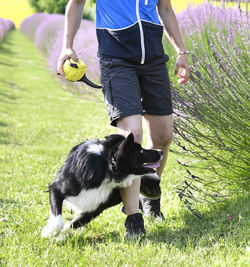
(5, 26)
(46, 30)
(30, 24)
(212, 109)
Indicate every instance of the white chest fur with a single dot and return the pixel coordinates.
(89, 200)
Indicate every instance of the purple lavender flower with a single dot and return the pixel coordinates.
(213, 107)
(46, 30)
(30, 24)
(5, 26)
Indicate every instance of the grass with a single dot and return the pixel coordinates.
(39, 123)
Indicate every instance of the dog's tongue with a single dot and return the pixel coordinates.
(152, 165)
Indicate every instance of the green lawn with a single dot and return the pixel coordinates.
(39, 123)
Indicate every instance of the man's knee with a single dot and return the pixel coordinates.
(166, 138)
(160, 130)
(162, 139)
(131, 124)
(138, 135)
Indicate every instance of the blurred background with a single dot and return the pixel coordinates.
(17, 10)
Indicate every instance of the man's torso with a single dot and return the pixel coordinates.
(129, 29)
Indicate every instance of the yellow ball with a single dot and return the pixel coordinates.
(74, 71)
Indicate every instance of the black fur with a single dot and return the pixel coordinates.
(112, 165)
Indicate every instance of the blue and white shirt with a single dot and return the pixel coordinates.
(129, 29)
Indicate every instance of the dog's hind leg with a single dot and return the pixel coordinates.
(81, 220)
(85, 217)
(55, 223)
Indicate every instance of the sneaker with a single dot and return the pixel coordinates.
(150, 186)
(151, 207)
(135, 226)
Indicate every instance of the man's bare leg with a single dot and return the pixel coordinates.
(159, 135)
(130, 195)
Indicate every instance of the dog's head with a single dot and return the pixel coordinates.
(131, 158)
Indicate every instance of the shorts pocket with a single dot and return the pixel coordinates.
(105, 66)
(108, 98)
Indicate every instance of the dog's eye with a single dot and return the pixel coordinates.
(141, 151)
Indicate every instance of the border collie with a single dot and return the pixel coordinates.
(91, 176)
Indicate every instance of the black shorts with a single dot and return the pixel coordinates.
(132, 89)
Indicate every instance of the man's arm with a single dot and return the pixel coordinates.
(170, 24)
(73, 17)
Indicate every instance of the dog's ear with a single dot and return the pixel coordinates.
(126, 145)
(130, 138)
(114, 139)
(129, 142)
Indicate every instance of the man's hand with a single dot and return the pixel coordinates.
(66, 53)
(73, 18)
(170, 24)
(182, 68)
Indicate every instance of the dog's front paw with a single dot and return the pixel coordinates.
(54, 226)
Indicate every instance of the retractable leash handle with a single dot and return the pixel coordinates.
(76, 72)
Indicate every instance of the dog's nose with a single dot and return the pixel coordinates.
(160, 151)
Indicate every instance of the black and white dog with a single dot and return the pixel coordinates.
(91, 176)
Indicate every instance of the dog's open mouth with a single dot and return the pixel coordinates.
(152, 165)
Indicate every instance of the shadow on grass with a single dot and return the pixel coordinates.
(214, 226)
(3, 49)
(4, 138)
(6, 64)
(6, 98)
(84, 238)
(8, 201)
(5, 135)
(7, 204)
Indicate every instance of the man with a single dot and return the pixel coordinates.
(134, 78)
